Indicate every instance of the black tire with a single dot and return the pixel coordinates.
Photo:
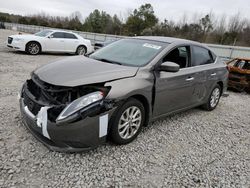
(209, 106)
(114, 130)
(81, 50)
(33, 48)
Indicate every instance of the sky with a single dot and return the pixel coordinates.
(169, 9)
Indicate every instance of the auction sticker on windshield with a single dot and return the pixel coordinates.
(152, 46)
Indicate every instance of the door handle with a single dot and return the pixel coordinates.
(190, 79)
(61, 40)
(213, 74)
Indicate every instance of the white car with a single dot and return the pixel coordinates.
(51, 41)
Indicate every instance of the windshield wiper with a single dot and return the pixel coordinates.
(108, 61)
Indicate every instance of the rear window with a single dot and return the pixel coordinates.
(69, 36)
(202, 56)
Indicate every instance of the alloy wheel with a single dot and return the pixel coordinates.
(81, 50)
(130, 122)
(215, 97)
(33, 48)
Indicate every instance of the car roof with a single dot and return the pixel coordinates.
(59, 30)
(169, 40)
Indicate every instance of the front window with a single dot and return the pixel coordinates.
(43, 33)
(180, 56)
(57, 35)
(131, 52)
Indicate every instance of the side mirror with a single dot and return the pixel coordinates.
(169, 67)
(50, 36)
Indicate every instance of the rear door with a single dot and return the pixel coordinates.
(71, 42)
(203, 63)
(55, 42)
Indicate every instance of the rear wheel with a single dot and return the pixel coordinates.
(213, 99)
(127, 122)
(81, 50)
(33, 48)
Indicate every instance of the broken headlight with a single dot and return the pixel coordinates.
(80, 103)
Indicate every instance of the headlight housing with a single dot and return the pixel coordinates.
(79, 104)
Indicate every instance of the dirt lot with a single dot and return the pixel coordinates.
(192, 149)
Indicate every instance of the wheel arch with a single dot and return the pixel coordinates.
(83, 46)
(220, 83)
(26, 45)
(146, 105)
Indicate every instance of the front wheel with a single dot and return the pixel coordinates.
(213, 99)
(33, 48)
(127, 122)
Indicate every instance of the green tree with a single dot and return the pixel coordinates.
(74, 21)
(117, 25)
(33, 21)
(93, 22)
(23, 20)
(141, 19)
(107, 23)
(146, 13)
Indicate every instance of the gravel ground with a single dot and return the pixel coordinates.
(191, 149)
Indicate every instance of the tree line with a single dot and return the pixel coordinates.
(207, 28)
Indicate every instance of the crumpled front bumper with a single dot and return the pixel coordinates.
(78, 136)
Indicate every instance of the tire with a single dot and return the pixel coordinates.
(33, 48)
(81, 50)
(122, 125)
(213, 99)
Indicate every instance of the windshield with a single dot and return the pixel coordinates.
(131, 52)
(43, 33)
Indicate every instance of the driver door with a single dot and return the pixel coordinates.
(174, 91)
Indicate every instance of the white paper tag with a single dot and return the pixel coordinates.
(152, 46)
(42, 119)
(103, 125)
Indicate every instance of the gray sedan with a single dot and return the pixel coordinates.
(78, 103)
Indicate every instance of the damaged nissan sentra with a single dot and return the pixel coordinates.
(78, 103)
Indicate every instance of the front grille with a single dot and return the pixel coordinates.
(10, 39)
(32, 105)
(37, 94)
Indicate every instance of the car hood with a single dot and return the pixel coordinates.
(25, 37)
(80, 70)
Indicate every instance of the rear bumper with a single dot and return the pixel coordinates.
(78, 136)
(90, 49)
